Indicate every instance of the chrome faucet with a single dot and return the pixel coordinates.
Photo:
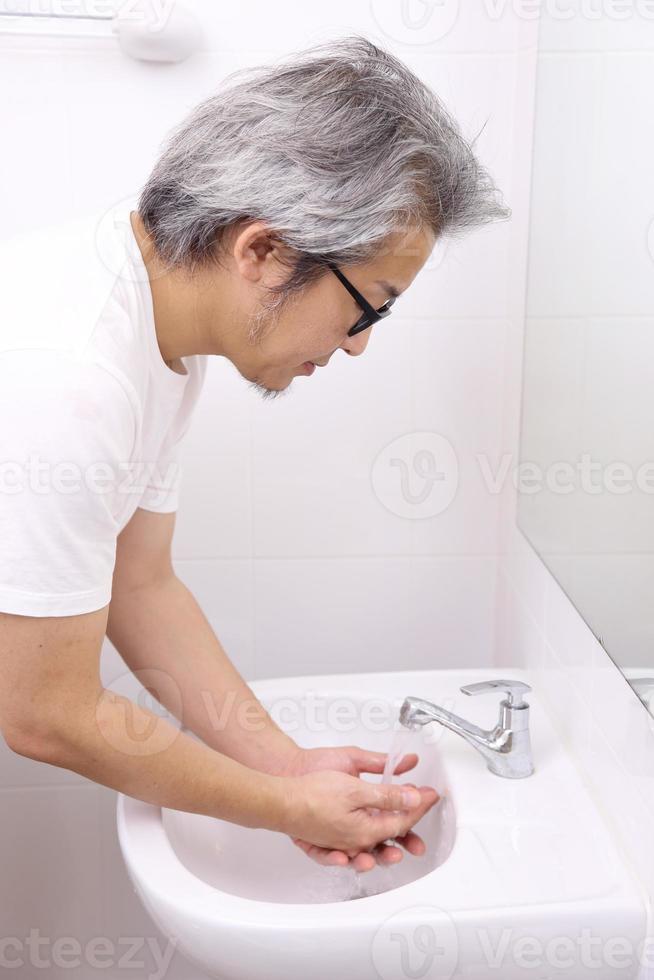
(506, 748)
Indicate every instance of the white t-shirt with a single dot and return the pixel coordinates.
(91, 416)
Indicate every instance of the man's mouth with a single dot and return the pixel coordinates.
(310, 366)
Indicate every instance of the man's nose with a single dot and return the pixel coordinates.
(357, 344)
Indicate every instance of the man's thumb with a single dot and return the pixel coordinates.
(392, 796)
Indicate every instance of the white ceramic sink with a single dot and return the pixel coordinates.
(516, 871)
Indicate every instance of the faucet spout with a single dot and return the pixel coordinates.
(506, 748)
(416, 712)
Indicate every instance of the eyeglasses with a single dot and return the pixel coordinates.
(370, 314)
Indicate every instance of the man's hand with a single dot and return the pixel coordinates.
(353, 760)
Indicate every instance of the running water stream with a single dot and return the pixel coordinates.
(361, 889)
(343, 884)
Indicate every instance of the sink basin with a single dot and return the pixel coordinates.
(215, 850)
(506, 860)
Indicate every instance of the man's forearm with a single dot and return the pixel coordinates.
(117, 743)
(163, 627)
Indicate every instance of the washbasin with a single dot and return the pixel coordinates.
(505, 860)
(216, 851)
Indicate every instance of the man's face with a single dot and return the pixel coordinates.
(315, 323)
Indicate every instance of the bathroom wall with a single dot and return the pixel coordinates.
(597, 712)
(301, 565)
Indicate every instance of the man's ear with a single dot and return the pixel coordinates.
(250, 246)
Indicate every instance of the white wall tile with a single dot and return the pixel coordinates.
(315, 491)
(519, 639)
(574, 644)
(614, 594)
(615, 430)
(313, 451)
(18, 771)
(601, 182)
(581, 26)
(223, 589)
(214, 519)
(453, 612)
(448, 26)
(344, 615)
(36, 120)
(457, 378)
(553, 375)
(51, 869)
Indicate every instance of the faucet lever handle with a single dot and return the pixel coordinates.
(514, 690)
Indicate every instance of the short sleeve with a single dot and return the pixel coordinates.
(161, 492)
(65, 448)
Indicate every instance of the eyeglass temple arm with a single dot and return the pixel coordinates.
(361, 300)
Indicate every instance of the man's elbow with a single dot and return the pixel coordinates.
(50, 669)
(42, 742)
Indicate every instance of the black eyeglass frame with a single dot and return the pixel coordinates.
(370, 314)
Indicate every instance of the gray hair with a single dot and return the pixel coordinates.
(336, 148)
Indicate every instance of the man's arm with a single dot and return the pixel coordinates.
(53, 709)
(155, 622)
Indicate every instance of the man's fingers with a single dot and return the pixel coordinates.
(322, 855)
(412, 843)
(395, 796)
(363, 861)
(394, 808)
(407, 762)
(387, 854)
(366, 761)
(382, 854)
(398, 824)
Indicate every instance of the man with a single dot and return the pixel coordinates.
(284, 216)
